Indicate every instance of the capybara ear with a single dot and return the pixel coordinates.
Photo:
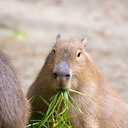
(84, 41)
(58, 36)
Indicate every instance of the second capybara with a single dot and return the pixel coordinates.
(69, 66)
(14, 107)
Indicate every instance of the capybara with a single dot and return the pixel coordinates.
(69, 66)
(14, 107)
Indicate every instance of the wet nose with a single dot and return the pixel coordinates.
(62, 71)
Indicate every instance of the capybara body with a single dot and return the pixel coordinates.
(68, 66)
(14, 107)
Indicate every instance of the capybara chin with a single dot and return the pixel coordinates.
(14, 107)
(68, 65)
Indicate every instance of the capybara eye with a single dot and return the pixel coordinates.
(78, 55)
(54, 51)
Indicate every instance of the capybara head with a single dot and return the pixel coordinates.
(68, 61)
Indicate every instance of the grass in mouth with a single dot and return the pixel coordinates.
(56, 115)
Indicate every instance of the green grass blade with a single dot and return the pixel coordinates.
(75, 104)
(44, 100)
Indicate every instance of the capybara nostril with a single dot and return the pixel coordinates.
(67, 76)
(55, 75)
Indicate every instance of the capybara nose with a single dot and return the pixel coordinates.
(62, 71)
(56, 74)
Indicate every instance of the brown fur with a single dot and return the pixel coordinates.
(14, 108)
(101, 106)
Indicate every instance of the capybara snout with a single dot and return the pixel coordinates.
(62, 71)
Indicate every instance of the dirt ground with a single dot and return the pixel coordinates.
(104, 22)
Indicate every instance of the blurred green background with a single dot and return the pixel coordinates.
(28, 29)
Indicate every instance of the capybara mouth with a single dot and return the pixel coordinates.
(62, 86)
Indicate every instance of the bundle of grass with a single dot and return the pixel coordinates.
(56, 115)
